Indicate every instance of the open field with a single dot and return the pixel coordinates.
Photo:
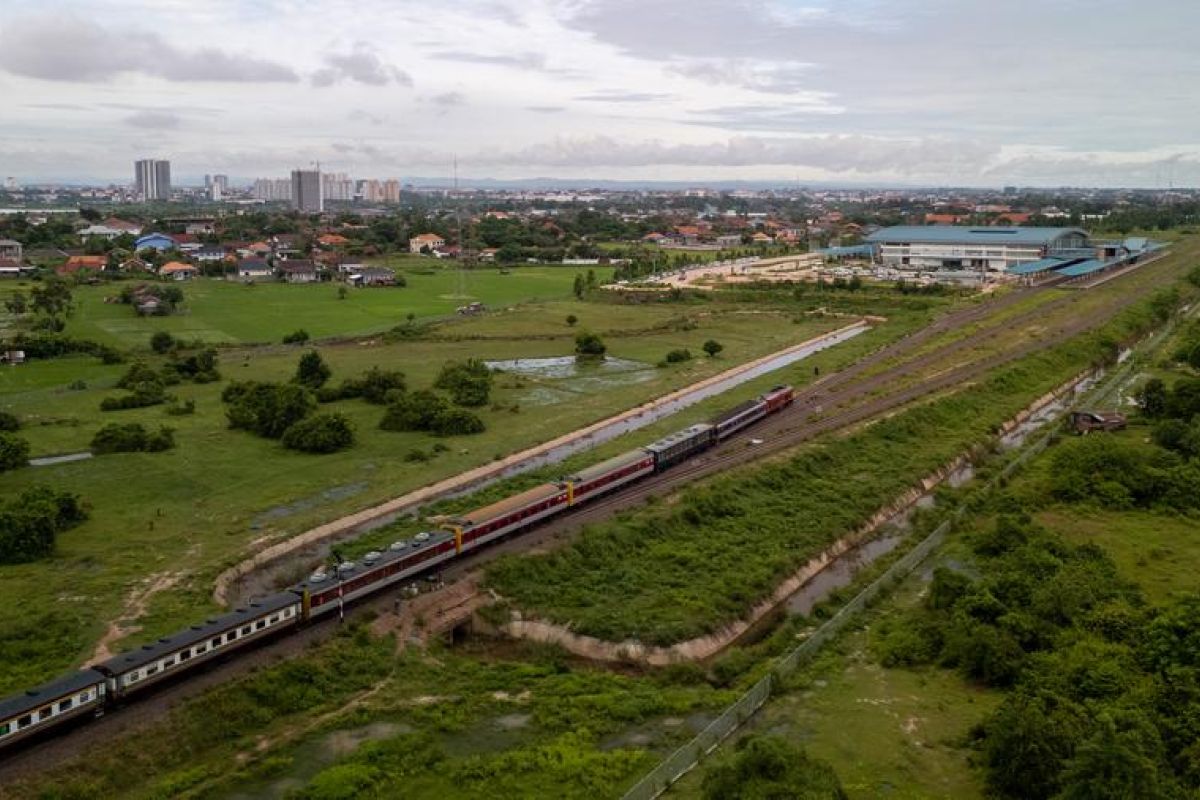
(170, 521)
(229, 312)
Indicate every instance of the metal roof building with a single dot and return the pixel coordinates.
(938, 247)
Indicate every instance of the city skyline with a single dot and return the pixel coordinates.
(915, 92)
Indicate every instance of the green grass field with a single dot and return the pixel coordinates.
(183, 515)
(228, 312)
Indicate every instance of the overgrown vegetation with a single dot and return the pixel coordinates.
(320, 433)
(31, 522)
(469, 383)
(14, 452)
(131, 438)
(267, 409)
(770, 767)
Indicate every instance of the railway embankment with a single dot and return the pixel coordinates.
(228, 582)
(705, 647)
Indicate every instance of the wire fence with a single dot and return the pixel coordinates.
(687, 757)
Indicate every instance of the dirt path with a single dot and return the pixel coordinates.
(230, 577)
(134, 608)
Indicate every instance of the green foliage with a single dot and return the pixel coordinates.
(9, 422)
(572, 320)
(770, 767)
(320, 433)
(413, 412)
(199, 367)
(469, 382)
(712, 347)
(138, 373)
(457, 422)
(14, 452)
(16, 303)
(51, 297)
(53, 345)
(312, 371)
(131, 438)
(1117, 474)
(1152, 398)
(142, 394)
(161, 342)
(30, 523)
(267, 409)
(589, 344)
(298, 336)
(678, 356)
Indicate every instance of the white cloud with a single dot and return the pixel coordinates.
(149, 118)
(361, 64)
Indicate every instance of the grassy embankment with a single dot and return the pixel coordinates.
(685, 569)
(183, 515)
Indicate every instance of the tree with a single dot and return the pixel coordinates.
(14, 452)
(9, 422)
(769, 767)
(572, 319)
(589, 344)
(30, 523)
(342, 292)
(413, 412)
(580, 287)
(1152, 398)
(457, 422)
(320, 433)
(712, 347)
(161, 342)
(312, 371)
(298, 336)
(52, 297)
(1115, 764)
(131, 438)
(267, 409)
(17, 303)
(469, 382)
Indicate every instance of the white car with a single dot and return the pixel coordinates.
(318, 577)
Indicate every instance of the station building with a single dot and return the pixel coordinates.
(995, 249)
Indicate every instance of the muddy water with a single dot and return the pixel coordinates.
(1047, 413)
(840, 573)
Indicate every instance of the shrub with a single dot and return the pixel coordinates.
(312, 371)
(589, 344)
(51, 345)
(678, 356)
(374, 386)
(182, 409)
(9, 422)
(138, 373)
(712, 347)
(416, 455)
(161, 342)
(144, 394)
(770, 766)
(200, 367)
(320, 433)
(14, 452)
(30, 523)
(468, 382)
(267, 409)
(572, 319)
(299, 336)
(457, 422)
(131, 438)
(413, 412)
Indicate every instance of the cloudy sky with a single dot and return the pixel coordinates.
(962, 92)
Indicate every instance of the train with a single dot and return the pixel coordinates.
(110, 683)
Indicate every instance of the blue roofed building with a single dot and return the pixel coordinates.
(995, 249)
(155, 241)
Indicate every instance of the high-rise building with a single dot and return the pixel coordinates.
(152, 179)
(272, 189)
(337, 186)
(306, 190)
(391, 191)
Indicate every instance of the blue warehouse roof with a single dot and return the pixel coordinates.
(954, 234)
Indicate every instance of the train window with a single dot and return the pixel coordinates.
(213, 644)
(44, 712)
(259, 624)
(25, 721)
(245, 630)
(185, 655)
(151, 670)
(5, 728)
(275, 618)
(65, 704)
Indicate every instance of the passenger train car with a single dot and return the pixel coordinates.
(102, 686)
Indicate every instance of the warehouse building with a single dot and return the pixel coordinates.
(995, 249)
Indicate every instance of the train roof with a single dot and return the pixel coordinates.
(509, 504)
(386, 556)
(150, 653)
(609, 465)
(740, 408)
(675, 438)
(34, 698)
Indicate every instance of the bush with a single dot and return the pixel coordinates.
(131, 438)
(312, 371)
(320, 433)
(374, 386)
(161, 342)
(144, 394)
(198, 368)
(14, 452)
(712, 347)
(9, 422)
(468, 382)
(457, 422)
(138, 373)
(299, 336)
(413, 412)
(770, 767)
(54, 346)
(182, 409)
(267, 409)
(30, 523)
(678, 356)
(589, 344)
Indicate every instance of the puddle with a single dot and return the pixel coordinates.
(511, 722)
(312, 757)
(657, 733)
(1047, 413)
(840, 573)
(304, 504)
(46, 461)
(566, 366)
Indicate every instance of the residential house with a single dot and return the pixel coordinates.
(729, 239)
(944, 219)
(299, 270)
(10, 248)
(349, 267)
(155, 241)
(178, 271)
(255, 250)
(11, 268)
(425, 240)
(134, 264)
(254, 269)
(110, 229)
(330, 241)
(488, 253)
(761, 238)
(76, 264)
(372, 276)
(199, 228)
(209, 254)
